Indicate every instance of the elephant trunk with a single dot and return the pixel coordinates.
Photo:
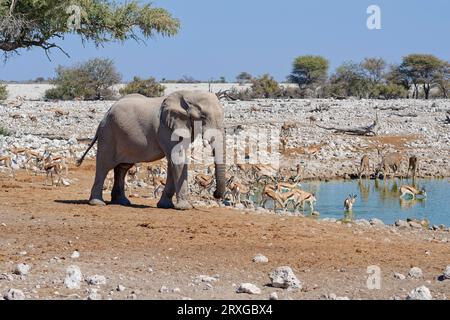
(219, 161)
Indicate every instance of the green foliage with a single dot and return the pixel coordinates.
(3, 92)
(389, 91)
(421, 69)
(4, 132)
(88, 81)
(184, 79)
(244, 77)
(32, 23)
(147, 87)
(309, 71)
(443, 79)
(375, 69)
(349, 80)
(265, 87)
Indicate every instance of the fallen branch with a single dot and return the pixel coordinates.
(407, 115)
(225, 95)
(447, 120)
(364, 131)
(393, 108)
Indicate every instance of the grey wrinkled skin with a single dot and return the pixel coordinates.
(139, 129)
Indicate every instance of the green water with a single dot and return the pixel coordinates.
(380, 199)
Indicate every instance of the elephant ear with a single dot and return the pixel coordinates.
(175, 114)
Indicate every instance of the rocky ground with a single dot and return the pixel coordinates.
(408, 126)
(55, 246)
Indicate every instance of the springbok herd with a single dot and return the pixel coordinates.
(245, 183)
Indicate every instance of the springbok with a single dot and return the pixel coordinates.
(269, 193)
(412, 166)
(413, 192)
(364, 165)
(301, 197)
(51, 168)
(349, 202)
(238, 189)
(205, 182)
(391, 161)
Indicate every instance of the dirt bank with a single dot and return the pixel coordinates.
(143, 249)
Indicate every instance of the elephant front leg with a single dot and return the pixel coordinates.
(180, 177)
(118, 192)
(169, 190)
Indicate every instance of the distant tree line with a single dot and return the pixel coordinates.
(417, 76)
(414, 77)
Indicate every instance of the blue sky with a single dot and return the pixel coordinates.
(224, 37)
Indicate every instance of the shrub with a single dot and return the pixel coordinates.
(3, 92)
(4, 132)
(291, 93)
(265, 87)
(147, 87)
(389, 91)
(88, 81)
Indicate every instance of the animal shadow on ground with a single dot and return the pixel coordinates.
(86, 202)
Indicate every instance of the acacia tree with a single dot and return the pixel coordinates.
(443, 79)
(349, 80)
(243, 78)
(374, 68)
(308, 71)
(25, 24)
(421, 69)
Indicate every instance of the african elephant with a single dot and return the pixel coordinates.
(139, 129)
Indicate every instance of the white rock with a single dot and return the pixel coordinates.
(204, 278)
(163, 289)
(273, 296)
(22, 269)
(259, 258)
(362, 222)
(7, 277)
(446, 274)
(376, 222)
(342, 298)
(415, 273)
(96, 280)
(94, 295)
(120, 288)
(72, 141)
(75, 255)
(73, 277)
(248, 288)
(415, 225)
(399, 276)
(421, 293)
(284, 277)
(14, 294)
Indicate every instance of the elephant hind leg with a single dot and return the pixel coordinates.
(96, 198)
(118, 192)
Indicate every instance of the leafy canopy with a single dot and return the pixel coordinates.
(39, 23)
(147, 87)
(309, 70)
(87, 81)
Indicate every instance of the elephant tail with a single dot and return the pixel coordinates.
(80, 161)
